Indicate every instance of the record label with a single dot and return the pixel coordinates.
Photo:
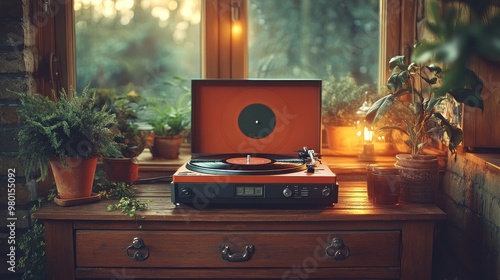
(248, 160)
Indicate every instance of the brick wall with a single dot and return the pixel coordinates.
(17, 60)
(468, 243)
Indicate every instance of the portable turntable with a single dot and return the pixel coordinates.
(255, 142)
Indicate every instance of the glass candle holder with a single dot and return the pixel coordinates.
(386, 186)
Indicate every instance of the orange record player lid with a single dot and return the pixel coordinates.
(255, 116)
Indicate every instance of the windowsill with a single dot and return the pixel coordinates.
(345, 166)
(489, 161)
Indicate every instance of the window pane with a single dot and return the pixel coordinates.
(139, 43)
(311, 38)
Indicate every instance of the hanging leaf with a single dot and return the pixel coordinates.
(397, 79)
(436, 132)
(433, 102)
(435, 69)
(397, 61)
(431, 81)
(454, 133)
(393, 83)
(467, 97)
(456, 137)
(379, 108)
(473, 81)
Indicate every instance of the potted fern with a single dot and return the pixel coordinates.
(68, 135)
(415, 88)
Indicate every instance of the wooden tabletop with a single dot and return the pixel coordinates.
(353, 205)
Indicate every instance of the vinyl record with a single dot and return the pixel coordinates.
(241, 164)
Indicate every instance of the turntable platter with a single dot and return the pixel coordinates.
(237, 164)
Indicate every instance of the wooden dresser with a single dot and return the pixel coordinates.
(352, 240)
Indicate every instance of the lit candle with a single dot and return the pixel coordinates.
(368, 134)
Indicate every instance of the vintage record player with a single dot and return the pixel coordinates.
(255, 142)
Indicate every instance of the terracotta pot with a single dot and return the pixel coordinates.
(167, 146)
(419, 177)
(75, 178)
(341, 140)
(121, 169)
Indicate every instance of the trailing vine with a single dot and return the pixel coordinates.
(129, 206)
(32, 244)
(122, 191)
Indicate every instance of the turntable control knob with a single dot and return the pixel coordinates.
(326, 191)
(186, 192)
(287, 192)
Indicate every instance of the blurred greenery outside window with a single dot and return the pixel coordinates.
(140, 45)
(147, 42)
(137, 44)
(314, 39)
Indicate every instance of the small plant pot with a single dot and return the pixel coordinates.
(121, 169)
(341, 140)
(74, 179)
(166, 147)
(419, 177)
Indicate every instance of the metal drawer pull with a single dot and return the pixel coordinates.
(227, 255)
(140, 247)
(337, 250)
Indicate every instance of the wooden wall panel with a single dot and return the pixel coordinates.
(482, 129)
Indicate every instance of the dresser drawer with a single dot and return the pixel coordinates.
(209, 249)
(237, 249)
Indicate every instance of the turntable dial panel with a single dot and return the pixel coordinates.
(255, 116)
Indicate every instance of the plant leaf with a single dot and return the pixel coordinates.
(454, 133)
(398, 61)
(467, 97)
(473, 81)
(433, 102)
(379, 108)
(431, 81)
(397, 79)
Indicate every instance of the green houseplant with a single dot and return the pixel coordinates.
(68, 135)
(415, 89)
(341, 99)
(124, 167)
(169, 123)
(170, 119)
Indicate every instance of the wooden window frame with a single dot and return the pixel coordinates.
(223, 55)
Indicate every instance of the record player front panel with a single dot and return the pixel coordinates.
(318, 189)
